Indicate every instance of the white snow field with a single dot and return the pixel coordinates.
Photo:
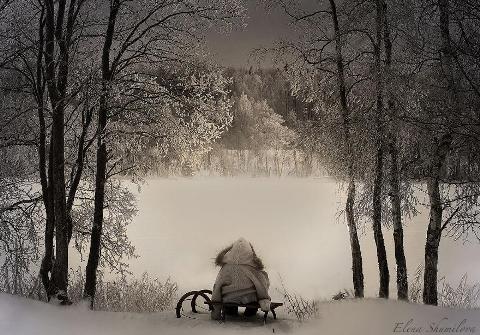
(182, 223)
(20, 316)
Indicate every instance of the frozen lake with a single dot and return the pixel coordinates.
(292, 223)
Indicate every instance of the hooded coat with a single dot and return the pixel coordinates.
(241, 278)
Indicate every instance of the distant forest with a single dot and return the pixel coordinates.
(265, 135)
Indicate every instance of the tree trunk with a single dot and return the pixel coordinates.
(434, 234)
(402, 281)
(60, 266)
(434, 231)
(357, 263)
(59, 278)
(378, 182)
(100, 178)
(95, 239)
(46, 174)
(395, 199)
(377, 228)
(48, 258)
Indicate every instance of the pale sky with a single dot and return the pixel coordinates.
(263, 28)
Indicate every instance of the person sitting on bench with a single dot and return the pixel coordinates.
(241, 280)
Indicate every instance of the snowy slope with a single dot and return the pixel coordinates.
(368, 316)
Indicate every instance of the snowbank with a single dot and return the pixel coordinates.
(368, 316)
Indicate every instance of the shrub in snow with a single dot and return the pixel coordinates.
(464, 295)
(302, 308)
(415, 288)
(140, 295)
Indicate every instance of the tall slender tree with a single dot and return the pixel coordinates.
(394, 176)
(148, 40)
(378, 179)
(100, 175)
(59, 28)
(357, 264)
(444, 143)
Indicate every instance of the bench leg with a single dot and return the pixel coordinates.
(265, 317)
(274, 314)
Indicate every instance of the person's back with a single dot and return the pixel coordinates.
(241, 279)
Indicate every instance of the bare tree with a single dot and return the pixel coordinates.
(155, 35)
(378, 181)
(42, 57)
(100, 176)
(434, 231)
(357, 266)
(442, 107)
(394, 173)
(321, 51)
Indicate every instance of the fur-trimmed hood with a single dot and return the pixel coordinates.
(240, 252)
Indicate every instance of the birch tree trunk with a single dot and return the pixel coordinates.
(394, 177)
(46, 173)
(357, 264)
(100, 177)
(60, 21)
(378, 182)
(56, 83)
(434, 231)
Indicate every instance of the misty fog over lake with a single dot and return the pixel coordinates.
(293, 223)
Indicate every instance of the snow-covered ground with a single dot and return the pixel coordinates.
(292, 223)
(20, 316)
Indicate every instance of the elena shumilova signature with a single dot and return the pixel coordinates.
(442, 326)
